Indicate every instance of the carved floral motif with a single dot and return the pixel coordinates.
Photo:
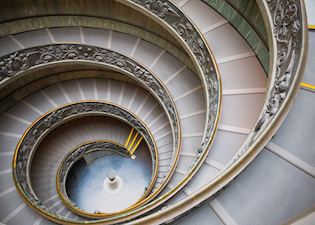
(287, 31)
(61, 52)
(286, 27)
(44, 125)
(190, 35)
(161, 8)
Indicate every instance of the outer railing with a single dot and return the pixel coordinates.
(193, 42)
(287, 33)
(28, 60)
(288, 42)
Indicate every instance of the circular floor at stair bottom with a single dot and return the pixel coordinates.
(107, 182)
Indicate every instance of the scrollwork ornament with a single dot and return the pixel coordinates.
(286, 26)
(28, 58)
(190, 35)
(166, 11)
(28, 144)
(286, 17)
(161, 8)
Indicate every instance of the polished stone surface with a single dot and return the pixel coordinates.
(247, 20)
(89, 186)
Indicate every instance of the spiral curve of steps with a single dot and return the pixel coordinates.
(185, 167)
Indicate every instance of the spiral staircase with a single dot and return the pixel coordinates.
(155, 111)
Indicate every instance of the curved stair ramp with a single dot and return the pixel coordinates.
(104, 120)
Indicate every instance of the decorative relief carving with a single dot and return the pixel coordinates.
(161, 8)
(184, 28)
(28, 58)
(170, 14)
(23, 60)
(286, 16)
(15, 62)
(287, 31)
(28, 144)
(286, 25)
